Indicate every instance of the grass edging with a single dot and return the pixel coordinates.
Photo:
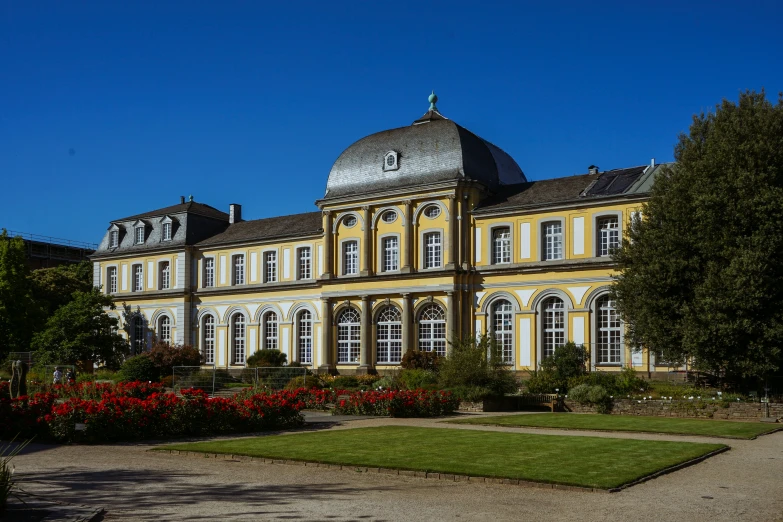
(451, 477)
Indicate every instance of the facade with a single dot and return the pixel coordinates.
(425, 233)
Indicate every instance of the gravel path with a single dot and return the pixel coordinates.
(134, 484)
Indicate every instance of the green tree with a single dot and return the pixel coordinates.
(476, 363)
(53, 287)
(81, 330)
(701, 274)
(18, 309)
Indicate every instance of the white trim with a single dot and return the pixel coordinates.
(578, 235)
(423, 248)
(524, 240)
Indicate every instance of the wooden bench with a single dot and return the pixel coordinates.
(548, 400)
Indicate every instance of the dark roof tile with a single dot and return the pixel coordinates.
(191, 207)
(268, 228)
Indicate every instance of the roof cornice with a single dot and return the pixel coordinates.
(569, 204)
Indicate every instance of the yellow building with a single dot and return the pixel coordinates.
(425, 232)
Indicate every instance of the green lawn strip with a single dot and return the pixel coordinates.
(675, 426)
(578, 461)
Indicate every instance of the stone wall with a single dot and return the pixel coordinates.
(686, 409)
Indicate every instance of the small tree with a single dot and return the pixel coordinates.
(54, 287)
(166, 356)
(477, 363)
(568, 362)
(81, 331)
(272, 358)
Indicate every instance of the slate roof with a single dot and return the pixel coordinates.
(268, 228)
(432, 150)
(191, 207)
(560, 190)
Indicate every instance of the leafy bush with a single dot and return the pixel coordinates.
(272, 358)
(398, 403)
(416, 360)
(167, 381)
(472, 393)
(569, 362)
(477, 363)
(139, 368)
(167, 356)
(596, 396)
(388, 382)
(345, 382)
(306, 382)
(415, 379)
(616, 383)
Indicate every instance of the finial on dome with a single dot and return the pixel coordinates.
(433, 99)
(191, 197)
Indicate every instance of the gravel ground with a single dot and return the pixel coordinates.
(134, 484)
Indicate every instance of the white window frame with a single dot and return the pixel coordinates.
(269, 266)
(136, 239)
(166, 232)
(304, 337)
(208, 338)
(238, 339)
(137, 277)
(502, 320)
(495, 244)
(349, 336)
(112, 279)
(553, 336)
(344, 258)
(388, 336)
(304, 264)
(609, 341)
(597, 233)
(164, 275)
(138, 335)
(424, 256)
(545, 235)
(383, 258)
(209, 272)
(114, 238)
(164, 331)
(238, 269)
(270, 328)
(429, 338)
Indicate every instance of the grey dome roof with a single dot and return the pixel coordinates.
(433, 149)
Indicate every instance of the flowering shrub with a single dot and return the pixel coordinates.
(137, 411)
(398, 403)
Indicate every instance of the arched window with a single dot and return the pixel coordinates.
(137, 335)
(503, 329)
(304, 337)
(389, 336)
(238, 338)
(348, 336)
(164, 278)
(208, 339)
(164, 329)
(432, 329)
(553, 312)
(270, 331)
(609, 328)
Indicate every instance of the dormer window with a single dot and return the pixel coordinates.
(390, 161)
(166, 231)
(114, 239)
(139, 231)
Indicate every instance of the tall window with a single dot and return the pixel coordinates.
(137, 342)
(609, 235)
(114, 239)
(304, 335)
(270, 331)
(305, 263)
(164, 329)
(350, 257)
(609, 328)
(270, 267)
(501, 245)
(432, 330)
(166, 231)
(553, 240)
(209, 272)
(239, 269)
(389, 336)
(348, 336)
(391, 254)
(139, 235)
(165, 275)
(432, 250)
(503, 329)
(209, 339)
(238, 338)
(138, 278)
(554, 325)
(111, 278)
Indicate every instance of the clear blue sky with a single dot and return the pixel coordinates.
(109, 109)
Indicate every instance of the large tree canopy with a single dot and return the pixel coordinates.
(18, 309)
(701, 274)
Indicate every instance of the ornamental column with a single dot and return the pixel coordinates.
(451, 318)
(326, 336)
(364, 338)
(367, 247)
(453, 239)
(464, 243)
(407, 324)
(328, 243)
(407, 223)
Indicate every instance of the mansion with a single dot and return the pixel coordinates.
(425, 233)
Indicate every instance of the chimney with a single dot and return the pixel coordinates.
(234, 213)
(592, 169)
(181, 200)
(652, 163)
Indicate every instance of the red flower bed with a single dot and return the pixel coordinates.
(396, 403)
(137, 411)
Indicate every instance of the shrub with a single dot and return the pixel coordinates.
(345, 382)
(415, 379)
(472, 393)
(416, 360)
(568, 363)
(596, 396)
(477, 363)
(304, 382)
(267, 358)
(388, 382)
(166, 356)
(139, 368)
(398, 403)
(167, 381)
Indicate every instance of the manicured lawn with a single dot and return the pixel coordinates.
(580, 461)
(706, 427)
